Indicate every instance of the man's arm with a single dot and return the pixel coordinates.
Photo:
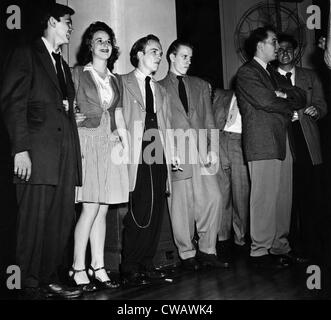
(250, 88)
(14, 100)
(318, 106)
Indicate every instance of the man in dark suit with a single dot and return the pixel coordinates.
(307, 190)
(233, 173)
(147, 116)
(37, 105)
(266, 105)
(196, 198)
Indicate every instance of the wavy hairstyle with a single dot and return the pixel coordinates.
(84, 55)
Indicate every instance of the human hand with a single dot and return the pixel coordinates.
(79, 117)
(322, 43)
(280, 94)
(22, 165)
(175, 164)
(311, 111)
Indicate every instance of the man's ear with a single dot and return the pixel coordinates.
(172, 57)
(52, 22)
(139, 54)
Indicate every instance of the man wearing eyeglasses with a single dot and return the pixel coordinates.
(306, 220)
(37, 105)
(266, 103)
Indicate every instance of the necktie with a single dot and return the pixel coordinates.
(60, 74)
(233, 113)
(149, 96)
(182, 93)
(270, 69)
(288, 77)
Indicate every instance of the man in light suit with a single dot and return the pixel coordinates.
(196, 197)
(147, 115)
(37, 104)
(233, 173)
(266, 104)
(306, 213)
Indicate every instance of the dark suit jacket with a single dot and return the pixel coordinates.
(308, 80)
(200, 115)
(33, 112)
(265, 117)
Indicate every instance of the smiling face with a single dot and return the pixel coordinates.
(285, 54)
(101, 45)
(181, 60)
(150, 58)
(63, 29)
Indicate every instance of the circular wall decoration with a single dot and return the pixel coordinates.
(282, 18)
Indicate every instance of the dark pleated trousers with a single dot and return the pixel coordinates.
(46, 216)
(143, 222)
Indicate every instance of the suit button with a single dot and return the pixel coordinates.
(59, 129)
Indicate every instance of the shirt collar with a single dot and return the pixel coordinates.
(174, 76)
(262, 63)
(283, 72)
(141, 76)
(49, 46)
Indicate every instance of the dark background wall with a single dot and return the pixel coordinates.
(198, 22)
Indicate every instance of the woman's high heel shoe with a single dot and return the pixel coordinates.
(85, 287)
(108, 284)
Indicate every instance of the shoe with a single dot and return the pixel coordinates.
(101, 285)
(85, 287)
(154, 274)
(190, 264)
(269, 261)
(55, 290)
(211, 261)
(224, 250)
(135, 279)
(295, 259)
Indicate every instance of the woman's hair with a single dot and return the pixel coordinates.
(84, 54)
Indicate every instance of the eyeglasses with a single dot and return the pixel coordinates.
(287, 50)
(100, 42)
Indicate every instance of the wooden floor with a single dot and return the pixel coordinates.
(241, 282)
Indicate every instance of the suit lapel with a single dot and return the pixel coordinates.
(133, 87)
(264, 74)
(174, 94)
(47, 62)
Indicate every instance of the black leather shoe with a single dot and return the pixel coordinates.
(211, 261)
(85, 287)
(190, 264)
(54, 290)
(154, 274)
(134, 279)
(224, 250)
(269, 261)
(101, 285)
(295, 259)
